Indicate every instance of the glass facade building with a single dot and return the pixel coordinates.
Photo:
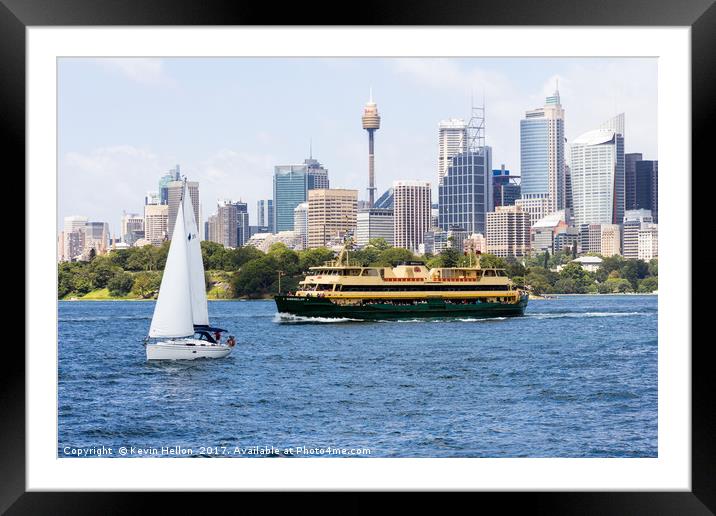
(290, 186)
(465, 194)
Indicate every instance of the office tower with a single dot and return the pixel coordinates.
(96, 236)
(505, 187)
(243, 233)
(610, 240)
(465, 193)
(371, 123)
(374, 223)
(156, 223)
(630, 179)
(567, 240)
(452, 140)
(174, 191)
(72, 237)
(290, 184)
(476, 242)
(265, 214)
(590, 238)
(226, 229)
(385, 201)
(300, 223)
(634, 221)
(211, 229)
(131, 224)
(568, 202)
(542, 160)
(597, 171)
(508, 232)
(317, 174)
(543, 233)
(151, 198)
(331, 215)
(648, 242)
(536, 207)
(412, 206)
(646, 187)
(163, 192)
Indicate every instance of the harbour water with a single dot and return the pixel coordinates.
(575, 377)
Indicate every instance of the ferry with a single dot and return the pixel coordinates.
(341, 289)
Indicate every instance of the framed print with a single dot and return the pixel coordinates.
(247, 288)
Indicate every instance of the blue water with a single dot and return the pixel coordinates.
(575, 377)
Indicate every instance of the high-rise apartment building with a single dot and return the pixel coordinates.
(597, 171)
(542, 154)
(610, 240)
(156, 223)
(536, 207)
(508, 232)
(452, 140)
(174, 192)
(300, 223)
(634, 221)
(412, 206)
(505, 187)
(374, 223)
(331, 215)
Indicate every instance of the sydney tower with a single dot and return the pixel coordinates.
(371, 122)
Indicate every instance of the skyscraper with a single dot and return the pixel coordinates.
(317, 175)
(452, 140)
(290, 184)
(634, 221)
(646, 187)
(465, 192)
(508, 231)
(412, 213)
(156, 221)
(374, 223)
(597, 171)
(630, 179)
(331, 215)
(174, 191)
(371, 123)
(265, 214)
(131, 224)
(542, 159)
(505, 187)
(163, 192)
(300, 223)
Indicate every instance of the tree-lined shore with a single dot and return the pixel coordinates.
(246, 272)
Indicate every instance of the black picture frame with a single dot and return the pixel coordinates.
(700, 15)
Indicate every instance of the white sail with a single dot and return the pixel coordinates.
(172, 313)
(199, 308)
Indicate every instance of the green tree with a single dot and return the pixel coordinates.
(393, 256)
(581, 278)
(256, 277)
(514, 268)
(618, 285)
(120, 284)
(381, 244)
(648, 284)
(146, 284)
(314, 257)
(244, 254)
(545, 260)
(654, 267)
(566, 286)
(449, 257)
(286, 259)
(92, 254)
(489, 261)
(609, 264)
(102, 271)
(634, 270)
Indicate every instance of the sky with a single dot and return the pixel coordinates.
(124, 122)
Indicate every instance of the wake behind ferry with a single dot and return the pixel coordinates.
(409, 290)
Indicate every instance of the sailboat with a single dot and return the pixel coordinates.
(181, 317)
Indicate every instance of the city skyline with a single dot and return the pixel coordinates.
(228, 133)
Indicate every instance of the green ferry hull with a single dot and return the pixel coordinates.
(433, 308)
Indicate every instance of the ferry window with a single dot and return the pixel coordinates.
(501, 273)
(489, 273)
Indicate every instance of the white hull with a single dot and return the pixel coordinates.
(185, 349)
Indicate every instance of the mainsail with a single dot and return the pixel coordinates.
(199, 309)
(173, 311)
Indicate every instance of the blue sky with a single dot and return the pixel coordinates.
(228, 121)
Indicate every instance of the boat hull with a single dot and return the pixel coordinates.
(432, 308)
(185, 350)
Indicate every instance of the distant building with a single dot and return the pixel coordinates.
(589, 263)
(567, 241)
(590, 238)
(264, 214)
(536, 207)
(544, 232)
(508, 231)
(505, 187)
(630, 160)
(264, 241)
(96, 236)
(173, 175)
(300, 223)
(174, 191)
(131, 225)
(385, 201)
(452, 140)
(374, 223)
(646, 187)
(412, 209)
(648, 242)
(610, 240)
(437, 240)
(331, 214)
(156, 221)
(542, 154)
(151, 198)
(597, 172)
(634, 221)
(475, 242)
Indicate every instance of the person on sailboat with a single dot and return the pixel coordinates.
(231, 341)
(217, 337)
